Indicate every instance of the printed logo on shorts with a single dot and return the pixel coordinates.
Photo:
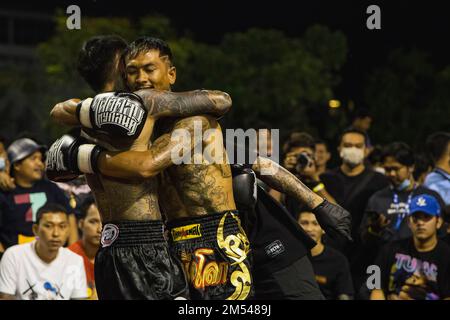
(109, 234)
(274, 249)
(191, 231)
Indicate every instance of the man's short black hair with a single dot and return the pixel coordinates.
(436, 144)
(361, 113)
(353, 130)
(400, 151)
(3, 140)
(96, 59)
(375, 155)
(50, 207)
(85, 205)
(321, 141)
(144, 44)
(422, 164)
(299, 140)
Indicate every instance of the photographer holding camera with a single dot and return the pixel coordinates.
(300, 160)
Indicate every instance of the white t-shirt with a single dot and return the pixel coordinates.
(25, 275)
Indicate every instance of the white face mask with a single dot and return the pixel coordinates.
(352, 156)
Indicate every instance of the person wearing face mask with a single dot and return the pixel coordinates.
(384, 219)
(387, 208)
(358, 181)
(358, 184)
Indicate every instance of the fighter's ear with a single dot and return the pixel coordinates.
(172, 74)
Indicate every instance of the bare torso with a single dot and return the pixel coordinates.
(118, 199)
(190, 190)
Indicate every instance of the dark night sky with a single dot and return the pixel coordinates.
(423, 24)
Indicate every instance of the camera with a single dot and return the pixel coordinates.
(304, 160)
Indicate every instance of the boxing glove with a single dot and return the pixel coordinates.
(68, 157)
(120, 114)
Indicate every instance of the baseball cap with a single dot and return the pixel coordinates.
(22, 148)
(425, 203)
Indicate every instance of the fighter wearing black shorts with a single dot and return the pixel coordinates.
(196, 197)
(134, 261)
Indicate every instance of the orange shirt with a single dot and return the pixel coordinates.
(78, 248)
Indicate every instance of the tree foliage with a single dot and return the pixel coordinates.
(270, 76)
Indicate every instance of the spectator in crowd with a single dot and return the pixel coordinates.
(387, 208)
(417, 268)
(438, 145)
(91, 228)
(300, 160)
(43, 269)
(384, 219)
(322, 156)
(31, 192)
(361, 121)
(358, 184)
(330, 266)
(374, 161)
(422, 167)
(6, 182)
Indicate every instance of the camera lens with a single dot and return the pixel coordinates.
(303, 160)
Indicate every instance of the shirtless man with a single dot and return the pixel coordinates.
(197, 199)
(134, 261)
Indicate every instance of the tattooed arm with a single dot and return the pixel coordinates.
(335, 220)
(159, 104)
(185, 104)
(145, 164)
(285, 182)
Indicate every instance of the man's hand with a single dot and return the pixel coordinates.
(6, 182)
(290, 161)
(378, 223)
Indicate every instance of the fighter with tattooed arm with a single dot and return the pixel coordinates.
(197, 199)
(134, 261)
(192, 193)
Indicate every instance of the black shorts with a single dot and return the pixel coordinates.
(214, 251)
(135, 263)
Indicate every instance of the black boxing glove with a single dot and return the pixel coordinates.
(244, 187)
(334, 219)
(68, 157)
(120, 114)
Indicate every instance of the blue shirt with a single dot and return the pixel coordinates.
(439, 181)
